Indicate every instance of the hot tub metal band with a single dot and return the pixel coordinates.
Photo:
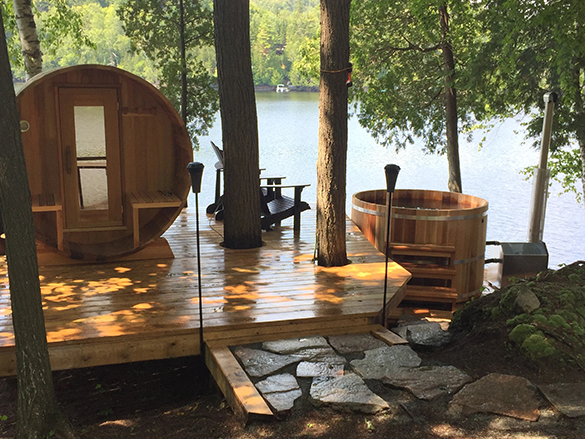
(420, 218)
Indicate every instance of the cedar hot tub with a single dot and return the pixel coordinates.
(438, 236)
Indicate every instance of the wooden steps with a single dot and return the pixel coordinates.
(433, 271)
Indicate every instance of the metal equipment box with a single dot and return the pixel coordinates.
(521, 260)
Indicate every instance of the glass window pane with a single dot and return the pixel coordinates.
(90, 137)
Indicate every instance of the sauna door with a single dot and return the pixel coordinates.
(90, 148)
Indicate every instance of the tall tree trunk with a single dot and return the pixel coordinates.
(27, 29)
(37, 411)
(450, 104)
(183, 61)
(332, 156)
(239, 124)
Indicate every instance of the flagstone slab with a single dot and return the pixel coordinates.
(423, 333)
(345, 392)
(319, 355)
(258, 363)
(281, 391)
(285, 347)
(385, 360)
(500, 394)
(352, 343)
(568, 398)
(307, 369)
(428, 382)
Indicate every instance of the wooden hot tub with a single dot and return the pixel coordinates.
(438, 236)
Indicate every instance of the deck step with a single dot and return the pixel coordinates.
(446, 251)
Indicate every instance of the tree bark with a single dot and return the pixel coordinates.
(450, 93)
(29, 39)
(37, 411)
(332, 155)
(239, 124)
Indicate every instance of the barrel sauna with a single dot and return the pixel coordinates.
(106, 156)
(438, 236)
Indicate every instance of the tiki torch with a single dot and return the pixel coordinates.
(391, 176)
(196, 171)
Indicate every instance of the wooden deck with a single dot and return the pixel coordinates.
(148, 309)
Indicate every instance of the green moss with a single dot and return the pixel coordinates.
(567, 298)
(508, 299)
(521, 333)
(557, 321)
(539, 318)
(574, 278)
(537, 346)
(578, 329)
(495, 313)
(568, 315)
(520, 318)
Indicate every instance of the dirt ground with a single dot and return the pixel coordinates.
(177, 399)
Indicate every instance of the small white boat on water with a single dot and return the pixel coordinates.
(281, 88)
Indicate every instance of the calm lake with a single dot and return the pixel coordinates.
(288, 126)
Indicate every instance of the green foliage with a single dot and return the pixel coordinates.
(535, 47)
(157, 28)
(575, 278)
(556, 321)
(508, 299)
(520, 318)
(399, 73)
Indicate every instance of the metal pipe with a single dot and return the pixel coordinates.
(541, 174)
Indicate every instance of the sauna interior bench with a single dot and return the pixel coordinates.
(149, 200)
(50, 203)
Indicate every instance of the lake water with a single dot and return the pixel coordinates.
(288, 127)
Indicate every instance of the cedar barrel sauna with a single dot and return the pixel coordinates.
(438, 236)
(106, 156)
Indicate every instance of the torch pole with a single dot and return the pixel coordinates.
(391, 176)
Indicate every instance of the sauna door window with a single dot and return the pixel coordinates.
(90, 148)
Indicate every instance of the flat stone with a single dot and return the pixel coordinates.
(526, 301)
(291, 345)
(351, 343)
(428, 382)
(280, 391)
(501, 394)
(568, 398)
(385, 360)
(282, 402)
(309, 369)
(346, 392)
(319, 355)
(278, 383)
(423, 333)
(258, 363)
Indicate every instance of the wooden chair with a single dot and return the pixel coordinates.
(274, 206)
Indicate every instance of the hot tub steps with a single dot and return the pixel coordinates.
(433, 271)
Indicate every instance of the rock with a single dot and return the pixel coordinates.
(501, 394)
(258, 363)
(423, 333)
(428, 382)
(309, 369)
(526, 301)
(351, 343)
(346, 392)
(569, 399)
(289, 346)
(280, 391)
(319, 355)
(385, 360)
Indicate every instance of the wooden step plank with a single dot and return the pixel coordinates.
(240, 392)
(429, 248)
(387, 336)
(435, 294)
(433, 272)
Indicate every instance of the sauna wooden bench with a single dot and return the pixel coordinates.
(50, 203)
(149, 200)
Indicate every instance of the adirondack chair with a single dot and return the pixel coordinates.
(274, 206)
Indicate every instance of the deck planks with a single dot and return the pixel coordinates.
(148, 309)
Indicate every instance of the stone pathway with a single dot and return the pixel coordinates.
(341, 371)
